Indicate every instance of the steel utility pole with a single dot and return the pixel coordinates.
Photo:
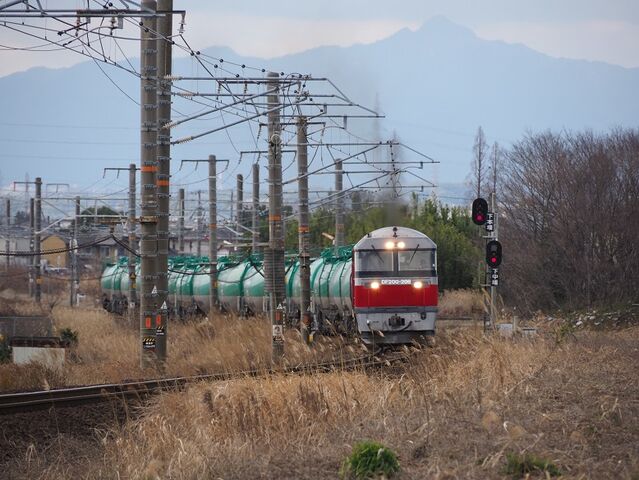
(31, 246)
(132, 243)
(212, 235)
(239, 215)
(75, 280)
(256, 207)
(7, 243)
(36, 238)
(303, 231)
(148, 171)
(274, 281)
(181, 221)
(164, 61)
(339, 207)
(199, 223)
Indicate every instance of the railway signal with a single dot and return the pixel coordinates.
(480, 211)
(493, 253)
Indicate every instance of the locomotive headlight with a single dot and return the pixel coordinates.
(389, 245)
(401, 244)
(418, 284)
(374, 285)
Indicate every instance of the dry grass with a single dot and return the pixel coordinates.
(456, 411)
(108, 349)
(455, 303)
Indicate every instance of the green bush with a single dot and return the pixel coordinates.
(369, 460)
(71, 336)
(520, 465)
(5, 350)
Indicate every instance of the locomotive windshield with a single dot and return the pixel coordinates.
(374, 261)
(416, 260)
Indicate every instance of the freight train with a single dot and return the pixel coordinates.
(384, 287)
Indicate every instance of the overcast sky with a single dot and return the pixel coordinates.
(583, 29)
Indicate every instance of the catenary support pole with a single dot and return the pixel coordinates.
(181, 222)
(132, 243)
(199, 223)
(148, 188)
(239, 207)
(37, 225)
(339, 207)
(303, 231)
(164, 61)
(75, 277)
(31, 246)
(274, 256)
(256, 207)
(212, 235)
(7, 242)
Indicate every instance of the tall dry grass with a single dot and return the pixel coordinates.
(454, 412)
(108, 349)
(463, 302)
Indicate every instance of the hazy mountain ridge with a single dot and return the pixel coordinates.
(435, 85)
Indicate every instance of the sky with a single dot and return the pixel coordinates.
(582, 29)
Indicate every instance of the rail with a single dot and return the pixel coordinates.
(90, 394)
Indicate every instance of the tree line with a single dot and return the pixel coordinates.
(569, 222)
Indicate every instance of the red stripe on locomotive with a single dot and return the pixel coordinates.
(394, 296)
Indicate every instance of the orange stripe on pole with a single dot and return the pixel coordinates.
(274, 218)
(303, 229)
(162, 183)
(147, 322)
(212, 225)
(149, 168)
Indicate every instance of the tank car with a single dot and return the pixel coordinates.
(384, 288)
(395, 286)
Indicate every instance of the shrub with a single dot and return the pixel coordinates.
(520, 465)
(5, 350)
(368, 460)
(68, 335)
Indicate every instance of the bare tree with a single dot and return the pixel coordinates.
(478, 165)
(566, 199)
(495, 161)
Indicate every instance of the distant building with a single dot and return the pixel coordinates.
(57, 260)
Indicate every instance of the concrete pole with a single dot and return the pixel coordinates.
(181, 222)
(74, 256)
(164, 60)
(148, 188)
(212, 234)
(256, 207)
(493, 289)
(339, 207)
(199, 223)
(31, 245)
(37, 205)
(132, 243)
(7, 243)
(274, 275)
(303, 231)
(239, 208)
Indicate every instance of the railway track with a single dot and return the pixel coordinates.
(126, 391)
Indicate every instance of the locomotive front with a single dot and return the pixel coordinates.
(395, 286)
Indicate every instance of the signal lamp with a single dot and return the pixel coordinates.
(493, 253)
(389, 245)
(417, 284)
(401, 244)
(374, 285)
(480, 211)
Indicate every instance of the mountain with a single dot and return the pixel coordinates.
(435, 85)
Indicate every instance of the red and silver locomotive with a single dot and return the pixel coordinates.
(394, 286)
